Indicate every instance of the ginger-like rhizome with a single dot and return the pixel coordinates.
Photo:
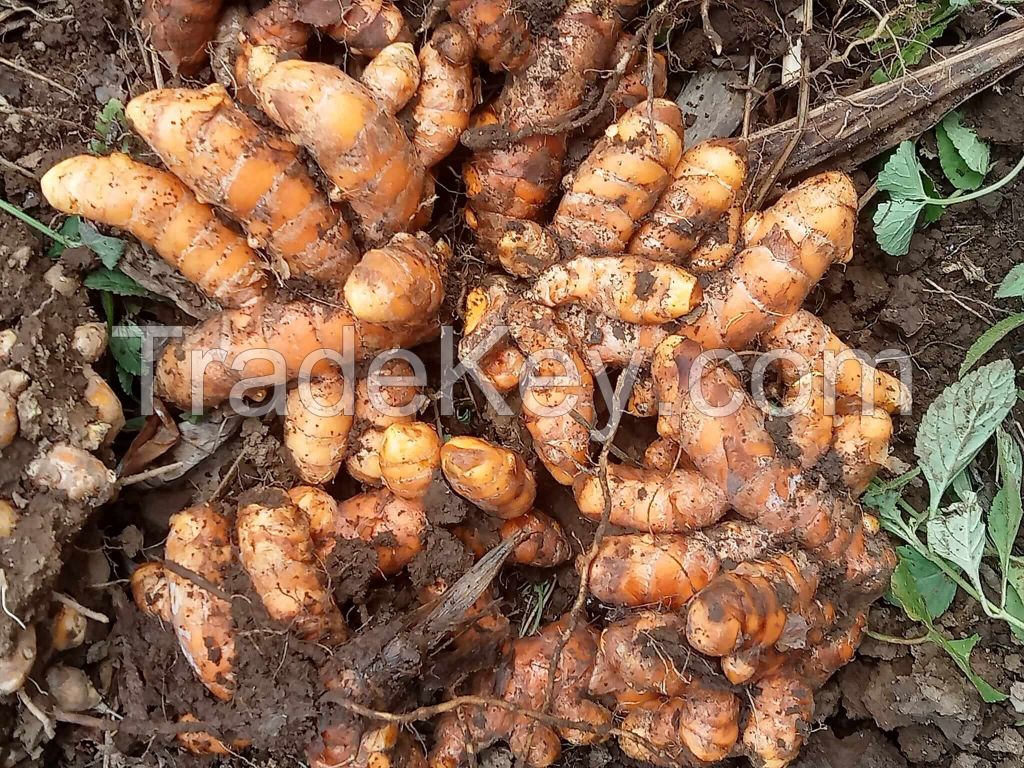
(728, 548)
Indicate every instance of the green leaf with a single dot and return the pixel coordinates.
(956, 169)
(974, 153)
(960, 421)
(885, 501)
(895, 222)
(1013, 284)
(126, 347)
(901, 175)
(68, 228)
(958, 535)
(109, 249)
(110, 116)
(1006, 514)
(960, 652)
(931, 213)
(903, 587)
(989, 339)
(937, 590)
(1015, 599)
(114, 281)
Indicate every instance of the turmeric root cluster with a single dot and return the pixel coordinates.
(738, 563)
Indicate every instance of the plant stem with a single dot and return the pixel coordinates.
(981, 192)
(898, 640)
(35, 224)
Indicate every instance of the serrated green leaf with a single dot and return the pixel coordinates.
(126, 347)
(895, 223)
(960, 421)
(984, 343)
(960, 652)
(937, 590)
(1013, 284)
(958, 535)
(109, 249)
(955, 168)
(1005, 517)
(973, 151)
(901, 175)
(68, 228)
(903, 588)
(114, 281)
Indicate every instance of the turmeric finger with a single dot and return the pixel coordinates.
(16, 666)
(180, 31)
(276, 548)
(622, 287)
(268, 341)
(9, 423)
(318, 418)
(862, 444)
(257, 178)
(787, 253)
(823, 351)
(622, 179)
(556, 414)
(702, 723)
(401, 283)
(109, 412)
(203, 743)
(669, 569)
(651, 501)
(274, 25)
(780, 716)
(813, 419)
(546, 544)
(388, 394)
(498, 29)
(368, 26)
(522, 247)
(393, 525)
(409, 456)
(161, 212)
(495, 479)
(440, 112)
(485, 341)
(643, 653)
(393, 76)
(200, 541)
(610, 342)
(358, 144)
(706, 183)
(749, 606)
(75, 473)
(665, 455)
(151, 592)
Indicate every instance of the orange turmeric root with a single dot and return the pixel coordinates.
(669, 569)
(521, 680)
(180, 31)
(608, 342)
(393, 525)
(254, 176)
(621, 287)
(276, 548)
(161, 212)
(782, 708)
(495, 479)
(150, 591)
(292, 330)
(622, 179)
(749, 606)
(861, 442)
(553, 413)
(707, 183)
(76, 473)
(651, 501)
(702, 724)
(498, 30)
(737, 453)
(399, 284)
(409, 457)
(824, 352)
(545, 547)
(485, 339)
(393, 76)
(440, 112)
(317, 422)
(358, 144)
(366, 26)
(200, 541)
(788, 249)
(203, 743)
(643, 653)
(275, 25)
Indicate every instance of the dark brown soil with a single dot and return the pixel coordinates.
(894, 706)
